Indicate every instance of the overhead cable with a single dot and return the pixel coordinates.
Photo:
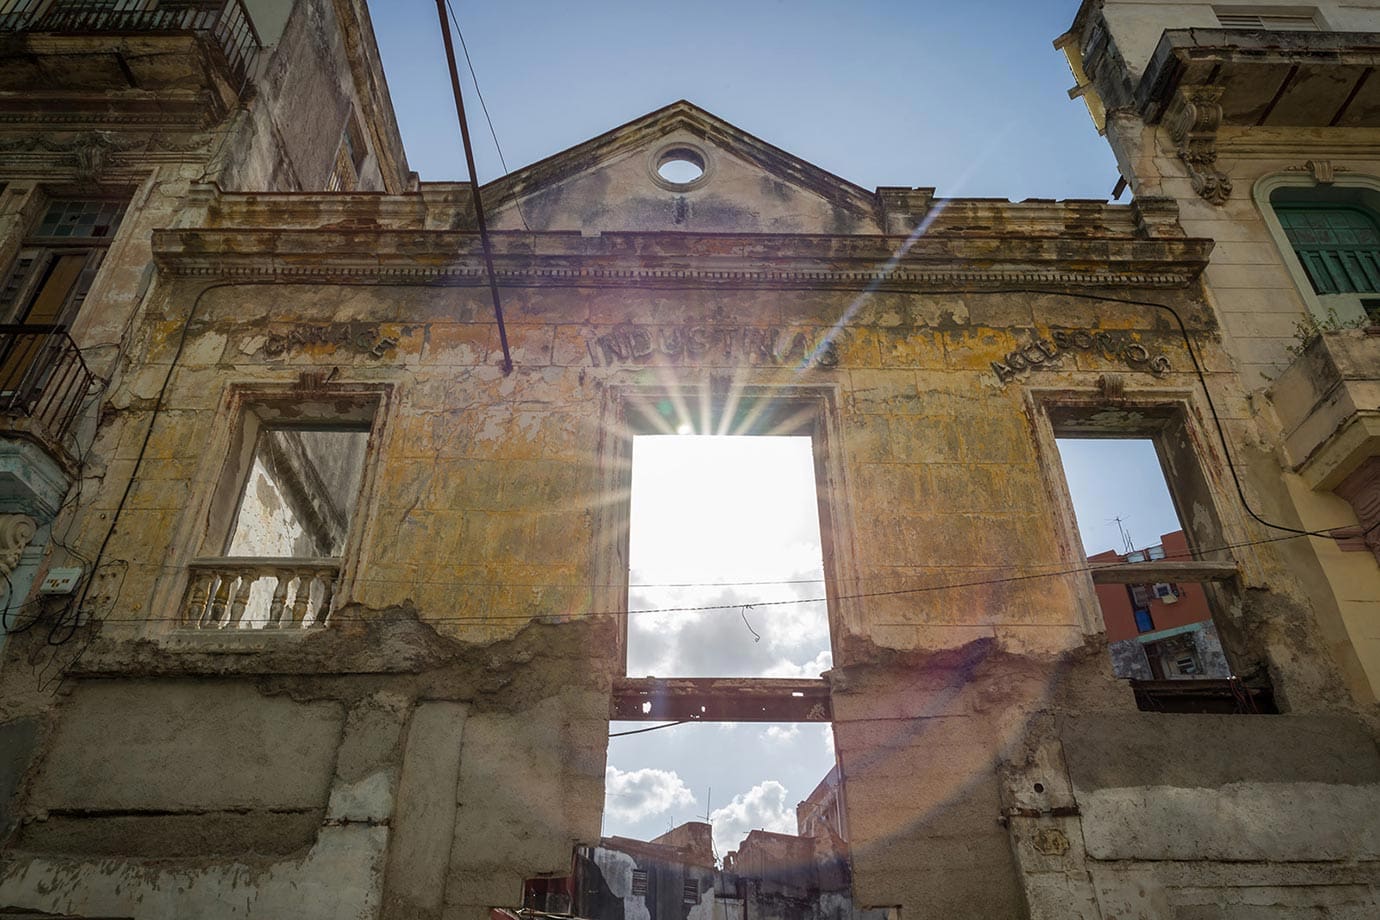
(474, 186)
(474, 78)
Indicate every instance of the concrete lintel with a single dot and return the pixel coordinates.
(712, 699)
(1153, 572)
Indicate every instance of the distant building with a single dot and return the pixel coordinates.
(1160, 630)
(673, 877)
(822, 812)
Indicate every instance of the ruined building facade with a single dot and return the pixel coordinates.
(377, 682)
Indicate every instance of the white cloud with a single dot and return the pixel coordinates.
(782, 733)
(763, 807)
(637, 794)
(828, 732)
(811, 669)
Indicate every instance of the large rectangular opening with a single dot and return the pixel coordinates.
(726, 565)
(721, 541)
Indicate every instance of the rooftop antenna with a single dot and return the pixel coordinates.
(708, 797)
(1125, 537)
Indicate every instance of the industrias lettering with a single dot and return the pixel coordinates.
(630, 342)
(1047, 352)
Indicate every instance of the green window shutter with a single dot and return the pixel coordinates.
(1338, 246)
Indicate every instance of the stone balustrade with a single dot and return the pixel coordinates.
(257, 592)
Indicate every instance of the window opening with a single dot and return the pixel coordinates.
(43, 290)
(707, 785)
(1126, 513)
(343, 177)
(680, 167)
(288, 503)
(349, 158)
(729, 522)
(300, 493)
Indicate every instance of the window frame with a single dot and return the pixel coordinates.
(758, 410)
(1348, 307)
(44, 251)
(1194, 473)
(207, 525)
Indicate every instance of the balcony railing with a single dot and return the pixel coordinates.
(258, 592)
(43, 377)
(224, 20)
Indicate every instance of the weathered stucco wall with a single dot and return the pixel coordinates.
(446, 731)
(305, 93)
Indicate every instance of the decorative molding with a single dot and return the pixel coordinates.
(1323, 171)
(355, 255)
(679, 277)
(1157, 217)
(93, 155)
(16, 530)
(1193, 119)
(188, 120)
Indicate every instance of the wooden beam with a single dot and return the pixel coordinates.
(1162, 570)
(717, 699)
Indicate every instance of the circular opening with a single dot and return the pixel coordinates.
(680, 166)
(1039, 787)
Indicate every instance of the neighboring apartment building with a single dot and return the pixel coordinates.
(342, 630)
(111, 113)
(1159, 630)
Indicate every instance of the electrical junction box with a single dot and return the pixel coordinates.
(60, 581)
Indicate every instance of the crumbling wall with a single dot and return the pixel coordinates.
(1159, 816)
(465, 655)
(226, 788)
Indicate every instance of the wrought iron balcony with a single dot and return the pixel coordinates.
(43, 379)
(225, 21)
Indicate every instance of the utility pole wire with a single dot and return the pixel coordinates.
(484, 107)
(474, 185)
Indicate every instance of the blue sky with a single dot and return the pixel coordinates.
(970, 98)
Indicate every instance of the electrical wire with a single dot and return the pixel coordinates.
(339, 616)
(60, 627)
(5, 623)
(639, 731)
(1183, 330)
(1202, 381)
(474, 78)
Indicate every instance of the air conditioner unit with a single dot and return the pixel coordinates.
(1165, 593)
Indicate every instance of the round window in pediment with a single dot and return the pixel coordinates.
(680, 167)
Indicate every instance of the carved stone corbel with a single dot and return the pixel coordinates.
(1193, 120)
(16, 530)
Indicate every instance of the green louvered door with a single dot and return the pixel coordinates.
(1338, 246)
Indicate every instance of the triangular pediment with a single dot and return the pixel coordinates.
(611, 183)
